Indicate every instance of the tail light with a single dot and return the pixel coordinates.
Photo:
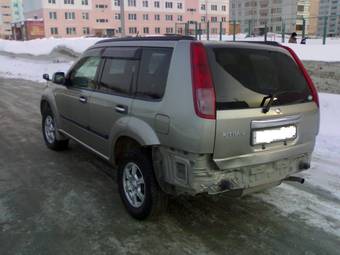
(202, 84)
(312, 88)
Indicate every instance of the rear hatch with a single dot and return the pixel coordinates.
(264, 103)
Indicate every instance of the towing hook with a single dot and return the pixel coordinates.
(295, 179)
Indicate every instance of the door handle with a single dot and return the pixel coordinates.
(121, 109)
(83, 99)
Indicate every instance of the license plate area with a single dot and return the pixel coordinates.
(273, 135)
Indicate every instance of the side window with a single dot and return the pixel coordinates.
(153, 72)
(84, 73)
(118, 75)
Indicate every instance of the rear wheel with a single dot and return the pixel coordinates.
(49, 132)
(138, 187)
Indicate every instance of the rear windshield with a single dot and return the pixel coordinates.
(243, 77)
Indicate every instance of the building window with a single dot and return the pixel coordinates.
(131, 2)
(101, 6)
(117, 16)
(116, 2)
(70, 15)
(157, 30)
(168, 17)
(53, 15)
(179, 6)
(132, 30)
(102, 20)
(68, 1)
(223, 19)
(156, 4)
(84, 2)
(213, 19)
(168, 5)
(86, 30)
(145, 4)
(157, 17)
(145, 16)
(85, 15)
(54, 30)
(145, 30)
(179, 18)
(169, 30)
(132, 16)
(224, 8)
(51, 1)
(203, 7)
(71, 30)
(214, 7)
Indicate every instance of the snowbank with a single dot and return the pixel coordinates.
(318, 205)
(313, 50)
(46, 46)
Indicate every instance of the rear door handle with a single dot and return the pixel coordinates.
(83, 99)
(121, 109)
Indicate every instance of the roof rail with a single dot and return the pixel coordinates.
(166, 37)
(271, 43)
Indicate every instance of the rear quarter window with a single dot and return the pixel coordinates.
(153, 72)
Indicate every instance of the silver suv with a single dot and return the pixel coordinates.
(179, 116)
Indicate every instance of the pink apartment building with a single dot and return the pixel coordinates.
(71, 18)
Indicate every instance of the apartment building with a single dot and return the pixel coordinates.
(331, 9)
(276, 15)
(5, 19)
(70, 18)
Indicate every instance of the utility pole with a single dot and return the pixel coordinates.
(122, 17)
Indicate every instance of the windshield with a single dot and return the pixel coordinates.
(243, 77)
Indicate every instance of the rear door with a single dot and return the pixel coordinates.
(111, 101)
(246, 79)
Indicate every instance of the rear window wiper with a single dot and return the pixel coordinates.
(266, 107)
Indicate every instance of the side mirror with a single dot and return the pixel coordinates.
(46, 77)
(59, 78)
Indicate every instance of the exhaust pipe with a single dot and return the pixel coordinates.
(295, 179)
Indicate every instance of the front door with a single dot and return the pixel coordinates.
(72, 102)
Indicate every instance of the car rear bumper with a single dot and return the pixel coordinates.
(193, 174)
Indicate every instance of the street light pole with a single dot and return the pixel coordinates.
(122, 17)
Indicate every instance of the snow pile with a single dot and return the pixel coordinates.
(313, 50)
(319, 206)
(46, 46)
(28, 69)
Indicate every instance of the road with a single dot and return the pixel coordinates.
(67, 203)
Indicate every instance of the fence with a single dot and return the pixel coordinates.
(276, 28)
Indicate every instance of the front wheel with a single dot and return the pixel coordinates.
(138, 187)
(49, 132)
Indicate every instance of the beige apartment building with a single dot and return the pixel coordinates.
(71, 18)
(5, 19)
(276, 15)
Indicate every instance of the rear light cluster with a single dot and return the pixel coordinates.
(202, 84)
(312, 88)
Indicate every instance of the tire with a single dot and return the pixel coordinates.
(49, 132)
(136, 178)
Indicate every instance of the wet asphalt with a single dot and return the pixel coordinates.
(67, 203)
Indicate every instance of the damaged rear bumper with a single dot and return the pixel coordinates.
(185, 173)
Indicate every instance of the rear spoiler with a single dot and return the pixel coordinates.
(271, 43)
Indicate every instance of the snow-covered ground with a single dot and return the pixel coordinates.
(324, 176)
